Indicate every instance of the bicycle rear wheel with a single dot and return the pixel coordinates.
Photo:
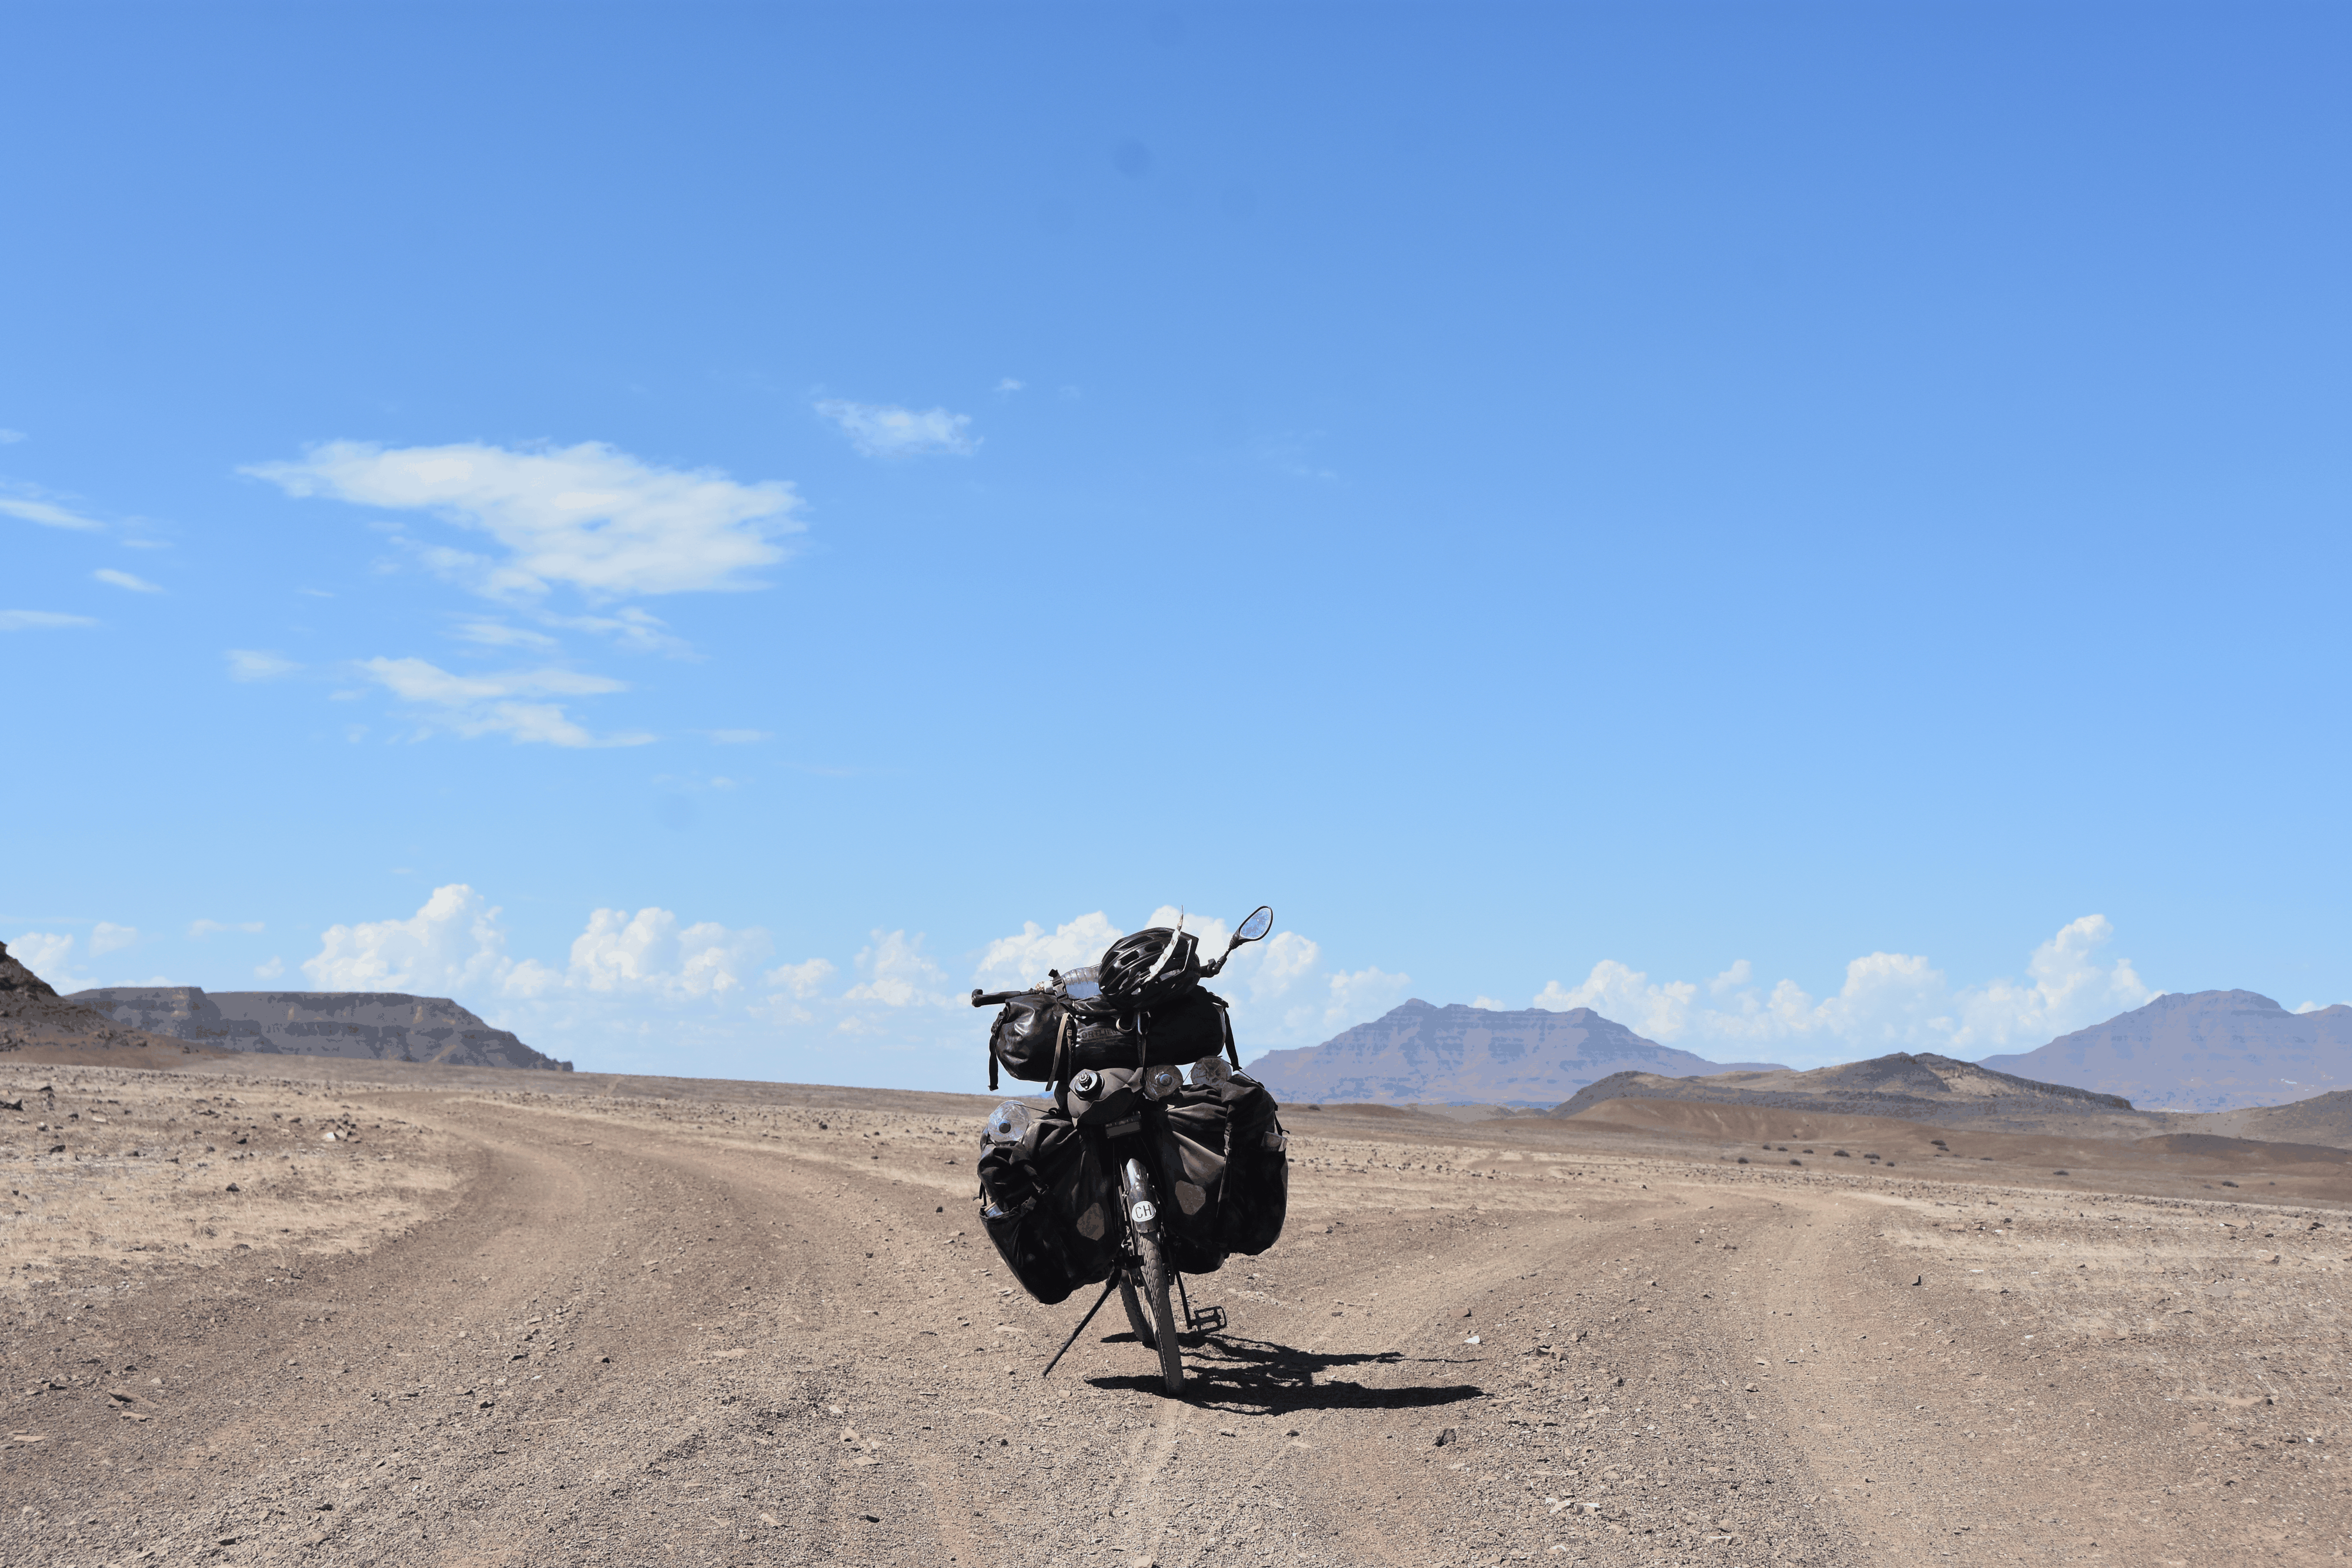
(1155, 1290)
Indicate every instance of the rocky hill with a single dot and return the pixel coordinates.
(387, 1026)
(33, 1017)
(1922, 1088)
(1420, 1054)
(2200, 1051)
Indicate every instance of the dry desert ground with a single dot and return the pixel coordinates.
(292, 1311)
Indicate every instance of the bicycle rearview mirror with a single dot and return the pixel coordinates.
(1260, 922)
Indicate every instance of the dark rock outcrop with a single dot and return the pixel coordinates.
(1918, 1088)
(2200, 1051)
(33, 1014)
(1420, 1054)
(386, 1026)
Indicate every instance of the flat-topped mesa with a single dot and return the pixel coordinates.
(1919, 1087)
(383, 1026)
(1422, 1054)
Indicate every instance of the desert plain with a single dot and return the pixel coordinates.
(325, 1311)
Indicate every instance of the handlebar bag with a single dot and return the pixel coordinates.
(1025, 1033)
(1049, 1205)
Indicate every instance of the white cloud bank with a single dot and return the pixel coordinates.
(1890, 1001)
(885, 430)
(590, 516)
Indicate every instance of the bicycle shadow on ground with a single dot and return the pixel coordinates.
(1256, 1376)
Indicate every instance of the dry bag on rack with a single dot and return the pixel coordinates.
(1026, 1035)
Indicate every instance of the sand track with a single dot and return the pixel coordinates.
(517, 1324)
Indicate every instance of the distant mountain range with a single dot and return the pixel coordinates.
(2200, 1051)
(386, 1026)
(1420, 1054)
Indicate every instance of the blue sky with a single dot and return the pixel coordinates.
(705, 532)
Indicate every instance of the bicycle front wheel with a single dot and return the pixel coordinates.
(1163, 1318)
(1135, 1319)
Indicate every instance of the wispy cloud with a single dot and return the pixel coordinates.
(498, 634)
(107, 574)
(47, 515)
(40, 620)
(254, 664)
(10, 437)
(631, 628)
(495, 704)
(737, 736)
(1008, 386)
(106, 936)
(588, 517)
(885, 430)
(200, 928)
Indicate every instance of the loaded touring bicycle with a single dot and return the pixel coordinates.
(1157, 1157)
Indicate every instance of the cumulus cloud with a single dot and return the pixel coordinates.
(495, 702)
(47, 954)
(1025, 957)
(255, 665)
(456, 945)
(885, 430)
(1627, 996)
(40, 620)
(1280, 991)
(271, 970)
(1889, 1001)
(108, 937)
(1488, 1004)
(590, 516)
(898, 973)
(47, 515)
(453, 944)
(107, 574)
(652, 952)
(804, 979)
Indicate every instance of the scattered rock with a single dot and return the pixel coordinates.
(1448, 1436)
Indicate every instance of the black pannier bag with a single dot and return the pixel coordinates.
(1046, 1202)
(1226, 1169)
(1257, 1168)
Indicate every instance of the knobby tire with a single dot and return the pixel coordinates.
(1135, 1318)
(1155, 1288)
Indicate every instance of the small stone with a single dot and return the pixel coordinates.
(1448, 1436)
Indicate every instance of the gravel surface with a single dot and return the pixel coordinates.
(497, 1320)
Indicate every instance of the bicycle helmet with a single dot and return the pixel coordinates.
(1141, 970)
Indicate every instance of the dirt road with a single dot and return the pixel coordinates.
(587, 1325)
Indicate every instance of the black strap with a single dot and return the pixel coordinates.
(1225, 1017)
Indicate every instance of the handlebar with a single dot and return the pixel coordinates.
(991, 998)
